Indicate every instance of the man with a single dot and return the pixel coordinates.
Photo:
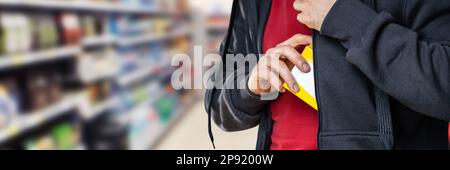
(382, 72)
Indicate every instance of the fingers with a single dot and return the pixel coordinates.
(270, 80)
(275, 81)
(275, 67)
(292, 55)
(282, 69)
(298, 5)
(271, 76)
(306, 19)
(294, 41)
(297, 40)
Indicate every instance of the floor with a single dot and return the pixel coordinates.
(191, 133)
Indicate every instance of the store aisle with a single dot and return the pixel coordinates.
(191, 133)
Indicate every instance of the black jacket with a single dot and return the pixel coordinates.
(382, 70)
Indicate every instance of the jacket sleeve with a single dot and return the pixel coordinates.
(414, 71)
(233, 109)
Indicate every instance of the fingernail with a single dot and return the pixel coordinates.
(294, 87)
(306, 67)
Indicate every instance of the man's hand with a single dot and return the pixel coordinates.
(275, 67)
(312, 13)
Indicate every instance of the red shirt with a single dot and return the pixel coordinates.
(295, 122)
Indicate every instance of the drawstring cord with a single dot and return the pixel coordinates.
(210, 132)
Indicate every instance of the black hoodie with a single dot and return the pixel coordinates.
(382, 70)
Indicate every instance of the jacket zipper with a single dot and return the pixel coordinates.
(319, 115)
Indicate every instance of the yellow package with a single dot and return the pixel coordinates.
(306, 81)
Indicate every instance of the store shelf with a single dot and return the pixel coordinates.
(21, 59)
(101, 40)
(141, 105)
(151, 140)
(129, 41)
(145, 104)
(89, 73)
(79, 5)
(100, 108)
(102, 53)
(218, 27)
(29, 121)
(130, 78)
(94, 77)
(160, 133)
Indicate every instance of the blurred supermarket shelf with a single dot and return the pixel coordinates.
(82, 6)
(138, 87)
(128, 41)
(143, 105)
(93, 77)
(188, 128)
(216, 27)
(141, 141)
(29, 121)
(161, 133)
(137, 75)
(89, 72)
(100, 40)
(21, 59)
(93, 111)
(35, 119)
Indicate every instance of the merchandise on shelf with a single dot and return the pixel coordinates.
(144, 124)
(45, 33)
(99, 92)
(66, 136)
(93, 26)
(129, 59)
(42, 88)
(16, 33)
(105, 133)
(155, 53)
(125, 6)
(181, 45)
(98, 64)
(140, 57)
(55, 91)
(166, 106)
(138, 95)
(70, 28)
(43, 143)
(63, 136)
(9, 102)
(113, 38)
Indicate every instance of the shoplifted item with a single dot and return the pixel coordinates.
(305, 81)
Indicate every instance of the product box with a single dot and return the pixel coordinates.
(306, 81)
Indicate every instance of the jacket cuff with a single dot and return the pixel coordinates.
(245, 100)
(348, 20)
